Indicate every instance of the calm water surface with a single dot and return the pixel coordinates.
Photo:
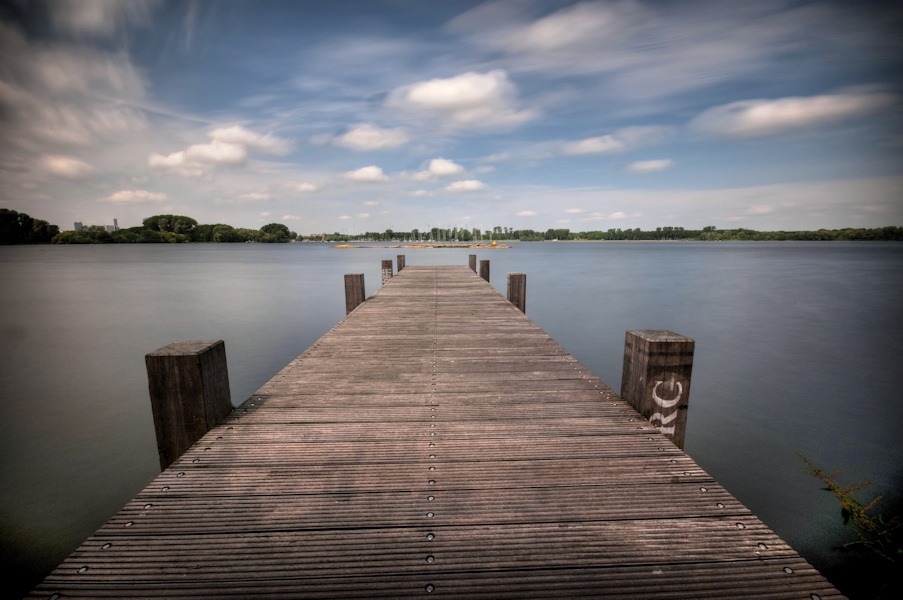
(798, 348)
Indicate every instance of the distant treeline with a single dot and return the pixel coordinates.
(162, 229)
(19, 228)
(706, 234)
(713, 234)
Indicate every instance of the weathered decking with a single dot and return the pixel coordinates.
(435, 443)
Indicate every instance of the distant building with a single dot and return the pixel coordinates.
(110, 228)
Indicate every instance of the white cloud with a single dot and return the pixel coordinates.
(363, 215)
(755, 118)
(421, 193)
(596, 145)
(216, 152)
(303, 187)
(470, 99)
(367, 137)
(574, 211)
(569, 27)
(67, 167)
(265, 213)
(438, 167)
(238, 135)
(467, 185)
(371, 174)
(621, 140)
(442, 167)
(256, 197)
(290, 218)
(655, 49)
(526, 213)
(371, 203)
(65, 94)
(134, 197)
(650, 166)
(344, 218)
(177, 163)
(228, 146)
(617, 215)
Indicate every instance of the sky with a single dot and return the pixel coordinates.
(365, 116)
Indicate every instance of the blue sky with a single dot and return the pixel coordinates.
(363, 116)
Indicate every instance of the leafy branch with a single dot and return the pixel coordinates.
(879, 535)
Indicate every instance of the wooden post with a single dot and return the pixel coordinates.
(472, 261)
(354, 291)
(484, 269)
(517, 290)
(656, 378)
(387, 270)
(400, 259)
(189, 392)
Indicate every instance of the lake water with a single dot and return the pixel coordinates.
(799, 347)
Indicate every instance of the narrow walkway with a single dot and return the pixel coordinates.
(436, 442)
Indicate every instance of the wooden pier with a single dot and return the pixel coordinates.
(436, 442)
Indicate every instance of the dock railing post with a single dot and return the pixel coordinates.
(354, 291)
(517, 290)
(484, 269)
(400, 259)
(472, 261)
(658, 365)
(387, 270)
(189, 392)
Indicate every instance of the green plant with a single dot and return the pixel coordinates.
(880, 536)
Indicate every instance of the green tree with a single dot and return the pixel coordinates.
(171, 224)
(276, 233)
(20, 228)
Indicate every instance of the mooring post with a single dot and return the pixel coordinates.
(472, 261)
(517, 290)
(658, 365)
(387, 270)
(189, 392)
(484, 269)
(354, 291)
(400, 259)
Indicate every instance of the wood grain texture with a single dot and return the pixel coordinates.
(436, 442)
(354, 291)
(189, 391)
(517, 290)
(658, 367)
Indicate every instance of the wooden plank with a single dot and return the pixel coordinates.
(434, 442)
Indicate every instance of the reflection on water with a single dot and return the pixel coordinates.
(796, 349)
